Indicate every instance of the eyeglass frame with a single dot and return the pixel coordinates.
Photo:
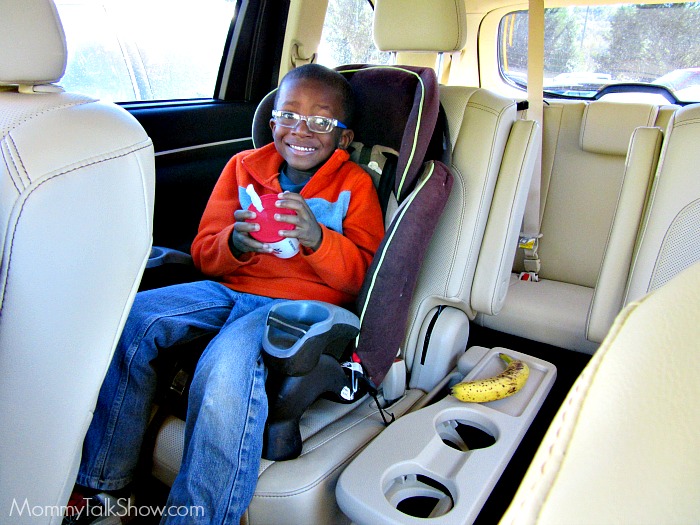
(277, 113)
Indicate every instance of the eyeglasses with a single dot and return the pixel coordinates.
(315, 124)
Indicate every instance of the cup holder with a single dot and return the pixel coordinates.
(293, 321)
(299, 332)
(161, 255)
(464, 436)
(419, 496)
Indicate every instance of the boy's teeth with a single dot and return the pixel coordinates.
(301, 148)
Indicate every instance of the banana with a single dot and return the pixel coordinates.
(505, 384)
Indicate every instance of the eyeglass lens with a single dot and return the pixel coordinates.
(315, 124)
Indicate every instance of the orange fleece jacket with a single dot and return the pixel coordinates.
(345, 203)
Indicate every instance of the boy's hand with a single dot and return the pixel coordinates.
(307, 230)
(241, 241)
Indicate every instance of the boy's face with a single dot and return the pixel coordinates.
(302, 149)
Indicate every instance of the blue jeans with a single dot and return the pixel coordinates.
(227, 401)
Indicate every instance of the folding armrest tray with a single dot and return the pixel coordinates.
(420, 455)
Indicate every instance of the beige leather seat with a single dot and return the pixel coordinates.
(76, 204)
(599, 159)
(623, 447)
(662, 240)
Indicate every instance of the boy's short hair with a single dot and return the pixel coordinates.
(332, 79)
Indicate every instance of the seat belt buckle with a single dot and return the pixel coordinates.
(530, 245)
(355, 371)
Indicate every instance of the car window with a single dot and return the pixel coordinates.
(133, 50)
(587, 48)
(347, 35)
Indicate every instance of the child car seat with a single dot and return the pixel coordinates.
(401, 141)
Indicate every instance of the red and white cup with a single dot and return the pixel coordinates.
(282, 247)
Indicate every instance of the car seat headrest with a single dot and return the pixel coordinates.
(415, 25)
(403, 121)
(599, 134)
(33, 43)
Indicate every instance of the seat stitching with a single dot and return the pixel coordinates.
(14, 153)
(531, 138)
(459, 26)
(11, 172)
(482, 199)
(29, 116)
(6, 275)
(583, 384)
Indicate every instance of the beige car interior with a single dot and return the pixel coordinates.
(76, 205)
(619, 216)
(597, 178)
(630, 212)
(617, 212)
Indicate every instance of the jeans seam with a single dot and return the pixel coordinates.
(246, 436)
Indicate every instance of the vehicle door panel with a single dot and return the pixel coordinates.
(193, 142)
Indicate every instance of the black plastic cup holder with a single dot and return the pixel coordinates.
(291, 321)
(298, 332)
(161, 255)
(465, 436)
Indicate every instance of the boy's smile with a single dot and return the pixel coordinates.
(305, 150)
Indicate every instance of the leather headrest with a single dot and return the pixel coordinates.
(32, 42)
(416, 25)
(608, 126)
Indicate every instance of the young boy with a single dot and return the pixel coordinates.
(338, 224)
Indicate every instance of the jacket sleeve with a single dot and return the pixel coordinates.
(342, 260)
(210, 248)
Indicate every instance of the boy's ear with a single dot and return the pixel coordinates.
(346, 137)
(272, 124)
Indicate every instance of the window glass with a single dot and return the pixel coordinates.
(587, 48)
(131, 50)
(347, 35)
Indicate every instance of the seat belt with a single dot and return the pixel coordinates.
(530, 234)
